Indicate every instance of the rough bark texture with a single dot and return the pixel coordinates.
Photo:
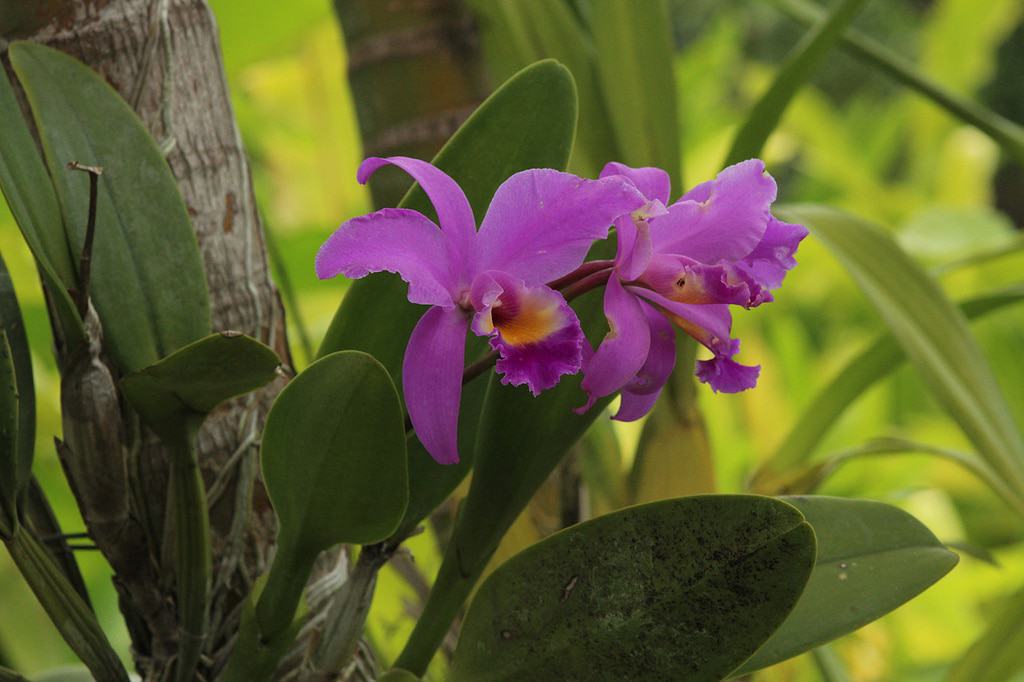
(415, 73)
(163, 56)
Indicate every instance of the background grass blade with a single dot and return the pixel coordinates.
(932, 331)
(799, 66)
(1005, 132)
(998, 655)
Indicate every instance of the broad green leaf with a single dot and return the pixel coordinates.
(998, 655)
(29, 193)
(932, 332)
(634, 66)
(516, 33)
(680, 589)
(873, 364)
(147, 279)
(807, 57)
(334, 464)
(195, 379)
(871, 559)
(1006, 133)
(334, 454)
(9, 459)
(528, 122)
(20, 357)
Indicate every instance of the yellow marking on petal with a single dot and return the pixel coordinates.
(537, 318)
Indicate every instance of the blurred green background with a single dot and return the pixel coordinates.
(853, 140)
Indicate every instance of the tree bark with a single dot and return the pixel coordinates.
(163, 56)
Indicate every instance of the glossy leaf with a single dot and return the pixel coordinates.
(871, 559)
(334, 454)
(874, 363)
(808, 56)
(195, 379)
(932, 332)
(528, 122)
(147, 279)
(680, 589)
(998, 655)
(18, 353)
(26, 186)
(634, 66)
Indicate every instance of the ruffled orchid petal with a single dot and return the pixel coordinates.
(432, 380)
(653, 183)
(537, 335)
(642, 391)
(724, 374)
(454, 214)
(773, 257)
(624, 349)
(541, 223)
(720, 220)
(685, 280)
(392, 240)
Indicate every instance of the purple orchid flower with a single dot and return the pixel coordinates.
(538, 228)
(717, 246)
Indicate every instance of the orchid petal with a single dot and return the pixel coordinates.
(454, 214)
(541, 223)
(773, 256)
(642, 391)
(432, 380)
(720, 220)
(623, 350)
(393, 240)
(704, 322)
(724, 374)
(685, 280)
(653, 183)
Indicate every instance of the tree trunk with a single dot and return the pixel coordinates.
(164, 58)
(415, 71)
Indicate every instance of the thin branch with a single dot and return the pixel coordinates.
(81, 295)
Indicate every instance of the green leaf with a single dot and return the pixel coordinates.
(806, 58)
(29, 193)
(871, 558)
(1006, 133)
(398, 675)
(680, 589)
(195, 379)
(9, 459)
(147, 279)
(634, 65)
(998, 655)
(932, 332)
(17, 351)
(334, 454)
(528, 122)
(874, 363)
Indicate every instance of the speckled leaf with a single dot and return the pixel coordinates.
(871, 558)
(26, 186)
(147, 282)
(683, 589)
(528, 122)
(195, 379)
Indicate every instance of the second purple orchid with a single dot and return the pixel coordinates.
(685, 263)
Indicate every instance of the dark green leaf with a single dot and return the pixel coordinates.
(33, 203)
(334, 454)
(871, 558)
(932, 332)
(528, 122)
(876, 362)
(195, 379)
(683, 589)
(397, 675)
(147, 279)
(807, 57)
(634, 65)
(21, 363)
(9, 460)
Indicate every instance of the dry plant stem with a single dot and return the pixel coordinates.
(81, 296)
